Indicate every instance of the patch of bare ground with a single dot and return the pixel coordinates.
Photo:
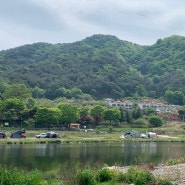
(166, 136)
(175, 173)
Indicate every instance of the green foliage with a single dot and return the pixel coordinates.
(70, 113)
(97, 110)
(19, 91)
(86, 177)
(38, 92)
(155, 121)
(110, 129)
(105, 175)
(99, 66)
(12, 109)
(30, 102)
(164, 182)
(112, 114)
(13, 103)
(140, 123)
(175, 161)
(46, 117)
(96, 66)
(135, 176)
(174, 97)
(13, 176)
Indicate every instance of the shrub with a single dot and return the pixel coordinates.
(141, 123)
(12, 176)
(86, 177)
(143, 178)
(155, 121)
(135, 176)
(164, 182)
(175, 161)
(105, 175)
(122, 177)
(110, 129)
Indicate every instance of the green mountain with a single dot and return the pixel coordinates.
(100, 65)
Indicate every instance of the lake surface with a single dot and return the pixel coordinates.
(49, 156)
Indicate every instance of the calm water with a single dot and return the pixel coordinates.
(49, 156)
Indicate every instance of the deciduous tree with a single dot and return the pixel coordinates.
(112, 114)
(70, 113)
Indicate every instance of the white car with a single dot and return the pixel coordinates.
(42, 135)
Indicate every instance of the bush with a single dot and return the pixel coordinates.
(164, 182)
(136, 176)
(110, 129)
(141, 123)
(86, 177)
(105, 175)
(155, 121)
(12, 176)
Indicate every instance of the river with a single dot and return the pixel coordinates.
(49, 156)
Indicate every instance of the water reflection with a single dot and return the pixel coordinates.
(49, 156)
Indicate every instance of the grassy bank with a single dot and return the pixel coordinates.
(172, 132)
(79, 175)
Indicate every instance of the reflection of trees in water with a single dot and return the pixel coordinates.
(51, 156)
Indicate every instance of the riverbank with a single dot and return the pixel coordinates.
(175, 173)
(171, 132)
(87, 137)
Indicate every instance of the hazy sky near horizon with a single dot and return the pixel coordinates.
(65, 21)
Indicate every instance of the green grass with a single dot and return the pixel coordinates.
(102, 135)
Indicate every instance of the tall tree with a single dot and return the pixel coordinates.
(47, 117)
(17, 91)
(38, 92)
(12, 109)
(97, 113)
(70, 113)
(112, 114)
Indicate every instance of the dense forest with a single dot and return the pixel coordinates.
(99, 66)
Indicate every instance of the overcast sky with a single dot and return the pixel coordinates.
(65, 21)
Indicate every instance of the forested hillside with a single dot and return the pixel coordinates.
(101, 66)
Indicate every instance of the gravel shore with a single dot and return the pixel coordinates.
(175, 173)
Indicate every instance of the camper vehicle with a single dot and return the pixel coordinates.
(152, 135)
(137, 134)
(18, 134)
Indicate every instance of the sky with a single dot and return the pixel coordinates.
(65, 21)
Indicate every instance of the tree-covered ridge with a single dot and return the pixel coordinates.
(101, 66)
(166, 55)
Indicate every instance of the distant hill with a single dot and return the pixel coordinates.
(100, 65)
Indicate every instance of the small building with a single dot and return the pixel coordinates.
(75, 126)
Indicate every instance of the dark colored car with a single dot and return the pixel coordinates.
(18, 134)
(2, 135)
(53, 135)
(132, 134)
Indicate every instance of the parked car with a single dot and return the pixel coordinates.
(152, 135)
(143, 136)
(53, 135)
(50, 134)
(41, 135)
(18, 134)
(2, 135)
(137, 134)
(132, 134)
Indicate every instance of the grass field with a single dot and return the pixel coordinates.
(173, 131)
